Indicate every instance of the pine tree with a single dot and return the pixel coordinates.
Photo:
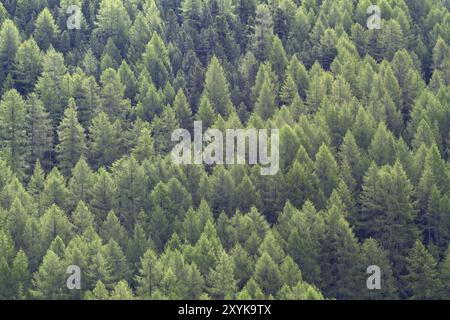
(251, 291)
(326, 170)
(243, 265)
(364, 128)
(391, 39)
(373, 254)
(222, 280)
(246, 195)
(445, 274)
(13, 130)
(85, 91)
(9, 46)
(387, 212)
(216, 88)
(103, 194)
(54, 223)
(206, 251)
(263, 32)
(137, 245)
(156, 61)
(36, 184)
(422, 277)
(98, 293)
(130, 181)
(49, 281)
(122, 291)
(183, 111)
(72, 144)
(339, 258)
(128, 78)
(112, 93)
(303, 185)
(277, 57)
(105, 141)
(289, 145)
(140, 35)
(33, 242)
(46, 31)
(267, 275)
(90, 64)
(99, 269)
(82, 218)
(111, 228)
(113, 54)
(39, 132)
(120, 269)
(265, 105)
(289, 91)
(55, 191)
(21, 274)
(27, 66)
(50, 85)
(441, 53)
(272, 246)
(382, 148)
(81, 182)
(149, 99)
(222, 186)
(144, 149)
(316, 93)
(113, 21)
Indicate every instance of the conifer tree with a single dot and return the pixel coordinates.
(13, 130)
(72, 144)
(50, 279)
(263, 32)
(55, 190)
(222, 280)
(374, 255)
(326, 170)
(39, 132)
(113, 21)
(388, 213)
(46, 31)
(105, 142)
(50, 85)
(9, 46)
(267, 275)
(112, 93)
(27, 66)
(156, 60)
(265, 105)
(339, 257)
(423, 278)
(216, 88)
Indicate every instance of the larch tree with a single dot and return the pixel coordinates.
(27, 66)
(46, 32)
(423, 277)
(9, 45)
(217, 89)
(13, 130)
(72, 142)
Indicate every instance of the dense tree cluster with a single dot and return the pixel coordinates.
(86, 176)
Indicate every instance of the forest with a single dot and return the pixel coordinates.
(91, 91)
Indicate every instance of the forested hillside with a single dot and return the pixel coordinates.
(86, 175)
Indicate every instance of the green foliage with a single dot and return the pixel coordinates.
(46, 31)
(72, 143)
(87, 179)
(13, 130)
(423, 276)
